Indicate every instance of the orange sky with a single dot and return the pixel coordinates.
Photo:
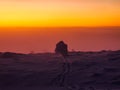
(25, 24)
(52, 13)
(44, 39)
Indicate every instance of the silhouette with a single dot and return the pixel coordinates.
(62, 49)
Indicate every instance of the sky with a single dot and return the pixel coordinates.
(44, 39)
(54, 13)
(37, 25)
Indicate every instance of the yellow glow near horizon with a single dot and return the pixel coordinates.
(55, 13)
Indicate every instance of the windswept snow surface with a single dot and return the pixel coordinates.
(98, 70)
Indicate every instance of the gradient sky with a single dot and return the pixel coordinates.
(37, 25)
(44, 13)
(44, 39)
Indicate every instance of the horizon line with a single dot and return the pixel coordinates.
(105, 50)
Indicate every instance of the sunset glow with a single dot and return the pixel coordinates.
(37, 25)
(54, 13)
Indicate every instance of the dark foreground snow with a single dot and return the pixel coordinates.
(89, 71)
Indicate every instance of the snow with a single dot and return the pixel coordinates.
(98, 70)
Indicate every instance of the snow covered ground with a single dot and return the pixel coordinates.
(89, 71)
